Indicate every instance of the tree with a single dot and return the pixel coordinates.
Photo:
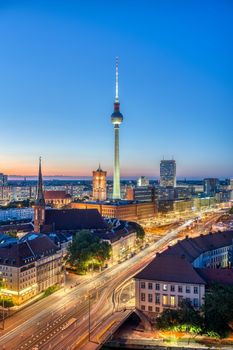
(87, 250)
(185, 319)
(139, 230)
(218, 309)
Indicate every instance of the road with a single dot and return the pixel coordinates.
(61, 321)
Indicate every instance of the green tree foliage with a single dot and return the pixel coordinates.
(186, 318)
(139, 230)
(87, 250)
(7, 302)
(213, 319)
(218, 309)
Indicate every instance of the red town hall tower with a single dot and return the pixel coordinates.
(99, 185)
(39, 208)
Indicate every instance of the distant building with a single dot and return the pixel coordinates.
(142, 181)
(140, 193)
(183, 271)
(123, 210)
(211, 186)
(57, 199)
(168, 173)
(3, 179)
(99, 185)
(29, 267)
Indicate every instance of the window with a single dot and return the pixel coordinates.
(157, 286)
(188, 289)
(150, 298)
(142, 307)
(195, 302)
(172, 300)
(157, 309)
(150, 285)
(180, 298)
(157, 298)
(143, 297)
(172, 288)
(165, 299)
(143, 285)
(180, 289)
(165, 287)
(195, 290)
(150, 308)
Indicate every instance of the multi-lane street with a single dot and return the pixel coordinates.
(65, 320)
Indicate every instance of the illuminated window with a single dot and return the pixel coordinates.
(165, 287)
(165, 299)
(172, 300)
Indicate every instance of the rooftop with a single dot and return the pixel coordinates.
(170, 268)
(27, 251)
(73, 219)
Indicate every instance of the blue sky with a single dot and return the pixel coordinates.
(57, 86)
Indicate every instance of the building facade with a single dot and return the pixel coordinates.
(30, 267)
(179, 272)
(143, 181)
(168, 173)
(124, 210)
(211, 186)
(57, 199)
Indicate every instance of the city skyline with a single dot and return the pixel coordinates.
(175, 88)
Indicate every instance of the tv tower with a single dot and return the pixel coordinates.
(117, 119)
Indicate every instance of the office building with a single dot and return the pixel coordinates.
(211, 186)
(3, 179)
(168, 173)
(140, 193)
(142, 181)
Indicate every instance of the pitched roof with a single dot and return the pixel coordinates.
(170, 269)
(74, 219)
(194, 247)
(222, 276)
(22, 227)
(56, 195)
(27, 251)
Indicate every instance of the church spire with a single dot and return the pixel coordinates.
(40, 193)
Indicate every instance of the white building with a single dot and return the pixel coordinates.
(182, 272)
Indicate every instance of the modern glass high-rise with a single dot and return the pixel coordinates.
(168, 173)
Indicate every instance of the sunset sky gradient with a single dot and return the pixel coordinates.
(57, 86)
